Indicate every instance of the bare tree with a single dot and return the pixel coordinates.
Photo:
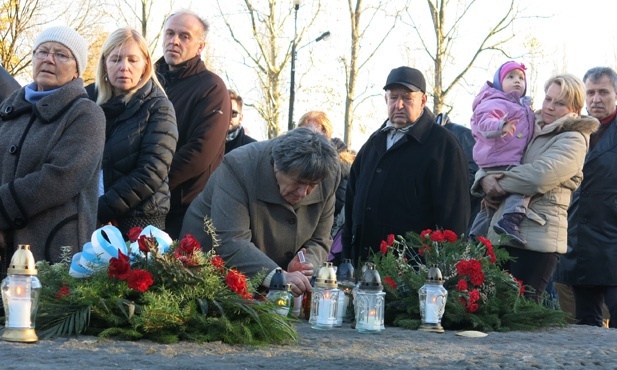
(143, 16)
(20, 20)
(23, 19)
(360, 55)
(447, 19)
(264, 50)
(535, 55)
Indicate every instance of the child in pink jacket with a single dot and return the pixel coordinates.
(502, 125)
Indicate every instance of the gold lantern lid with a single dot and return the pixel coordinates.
(326, 278)
(22, 262)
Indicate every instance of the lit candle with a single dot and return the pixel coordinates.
(323, 315)
(430, 316)
(343, 301)
(283, 306)
(297, 305)
(20, 306)
(372, 321)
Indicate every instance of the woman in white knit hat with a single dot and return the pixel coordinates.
(50, 152)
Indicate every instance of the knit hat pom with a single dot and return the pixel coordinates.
(69, 38)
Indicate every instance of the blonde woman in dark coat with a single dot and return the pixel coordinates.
(141, 134)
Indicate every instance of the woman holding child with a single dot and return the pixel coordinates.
(550, 169)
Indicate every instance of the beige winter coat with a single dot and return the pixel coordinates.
(551, 168)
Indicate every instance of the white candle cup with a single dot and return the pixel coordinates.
(430, 315)
(19, 313)
(343, 302)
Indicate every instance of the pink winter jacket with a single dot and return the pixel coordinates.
(491, 108)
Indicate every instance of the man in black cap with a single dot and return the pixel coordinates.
(410, 175)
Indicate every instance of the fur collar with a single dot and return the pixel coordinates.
(586, 125)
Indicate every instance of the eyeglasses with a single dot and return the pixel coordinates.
(58, 56)
(234, 113)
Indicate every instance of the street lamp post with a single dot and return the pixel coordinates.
(294, 51)
(292, 93)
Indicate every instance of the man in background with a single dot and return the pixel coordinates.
(203, 111)
(7, 84)
(465, 138)
(236, 137)
(589, 265)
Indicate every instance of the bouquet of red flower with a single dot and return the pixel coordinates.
(160, 292)
(481, 295)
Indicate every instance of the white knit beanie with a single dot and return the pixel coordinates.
(69, 38)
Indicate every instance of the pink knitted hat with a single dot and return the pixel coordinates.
(509, 66)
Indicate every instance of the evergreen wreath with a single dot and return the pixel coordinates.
(181, 294)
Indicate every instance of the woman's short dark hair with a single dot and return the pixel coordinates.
(306, 154)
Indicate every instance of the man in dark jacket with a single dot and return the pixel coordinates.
(203, 111)
(7, 84)
(410, 175)
(236, 137)
(465, 138)
(590, 263)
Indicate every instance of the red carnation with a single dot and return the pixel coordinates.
(388, 280)
(472, 308)
(471, 268)
(63, 292)
(423, 249)
(462, 285)
(189, 260)
(485, 241)
(437, 236)
(140, 280)
(489, 248)
(474, 295)
(450, 236)
(383, 247)
(476, 277)
(237, 282)
(426, 233)
(189, 244)
(120, 267)
(390, 239)
(134, 233)
(218, 263)
(521, 287)
(491, 255)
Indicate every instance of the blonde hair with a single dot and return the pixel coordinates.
(572, 90)
(117, 38)
(319, 118)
